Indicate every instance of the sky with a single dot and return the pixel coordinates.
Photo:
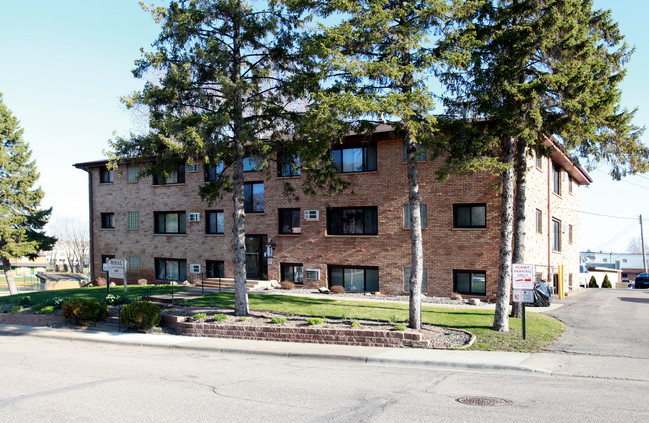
(65, 64)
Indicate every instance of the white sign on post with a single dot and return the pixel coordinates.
(116, 268)
(522, 276)
(522, 296)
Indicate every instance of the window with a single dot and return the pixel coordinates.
(469, 216)
(556, 235)
(623, 260)
(170, 269)
(556, 179)
(169, 222)
(215, 268)
(470, 282)
(359, 158)
(214, 223)
(106, 176)
(406, 280)
(288, 165)
(133, 264)
(133, 220)
(105, 258)
(107, 220)
(355, 279)
(293, 273)
(253, 164)
(423, 212)
(569, 234)
(132, 172)
(213, 172)
(421, 156)
(176, 176)
(570, 182)
(539, 221)
(253, 193)
(539, 161)
(289, 221)
(352, 221)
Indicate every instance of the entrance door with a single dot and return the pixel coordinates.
(256, 265)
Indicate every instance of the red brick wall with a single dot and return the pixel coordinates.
(445, 248)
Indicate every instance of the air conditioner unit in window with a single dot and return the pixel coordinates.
(311, 214)
(196, 167)
(194, 217)
(195, 268)
(313, 274)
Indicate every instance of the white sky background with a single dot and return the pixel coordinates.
(65, 64)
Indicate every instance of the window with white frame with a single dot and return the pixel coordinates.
(555, 240)
(132, 173)
(133, 220)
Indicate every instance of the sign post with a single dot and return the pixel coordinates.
(523, 286)
(118, 269)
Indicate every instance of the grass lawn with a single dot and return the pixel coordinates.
(541, 329)
(98, 293)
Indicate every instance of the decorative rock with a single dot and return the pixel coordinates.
(324, 290)
(112, 284)
(474, 301)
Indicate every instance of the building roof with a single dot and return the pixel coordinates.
(53, 277)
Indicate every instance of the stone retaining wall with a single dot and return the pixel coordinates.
(363, 337)
(30, 319)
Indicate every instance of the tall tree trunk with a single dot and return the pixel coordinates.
(9, 274)
(518, 255)
(238, 216)
(501, 316)
(416, 245)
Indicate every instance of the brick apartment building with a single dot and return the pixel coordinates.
(359, 239)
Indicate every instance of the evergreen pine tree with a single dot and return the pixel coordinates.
(606, 283)
(593, 282)
(21, 219)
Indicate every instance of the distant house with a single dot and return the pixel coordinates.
(630, 265)
(61, 280)
(359, 239)
(25, 266)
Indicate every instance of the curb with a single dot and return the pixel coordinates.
(362, 355)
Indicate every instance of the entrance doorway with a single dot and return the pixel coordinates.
(256, 265)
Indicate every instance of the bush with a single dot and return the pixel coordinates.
(199, 316)
(142, 281)
(287, 285)
(399, 327)
(606, 283)
(15, 309)
(356, 325)
(47, 309)
(56, 301)
(337, 289)
(278, 320)
(315, 321)
(593, 283)
(220, 316)
(84, 310)
(36, 308)
(113, 299)
(140, 315)
(243, 319)
(26, 300)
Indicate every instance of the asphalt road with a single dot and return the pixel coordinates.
(605, 322)
(55, 380)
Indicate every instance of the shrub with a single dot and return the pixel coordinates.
(15, 309)
(606, 283)
(278, 320)
(287, 285)
(47, 309)
(220, 316)
(36, 308)
(243, 319)
(394, 318)
(84, 310)
(199, 316)
(315, 321)
(337, 289)
(356, 325)
(399, 327)
(100, 281)
(26, 300)
(142, 281)
(593, 283)
(140, 315)
(56, 301)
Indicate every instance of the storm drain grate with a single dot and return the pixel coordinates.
(483, 401)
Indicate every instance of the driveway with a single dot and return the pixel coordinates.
(605, 322)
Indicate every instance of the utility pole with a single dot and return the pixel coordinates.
(644, 256)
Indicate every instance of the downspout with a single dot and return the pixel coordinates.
(91, 216)
(549, 226)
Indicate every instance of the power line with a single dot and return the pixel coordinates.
(626, 181)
